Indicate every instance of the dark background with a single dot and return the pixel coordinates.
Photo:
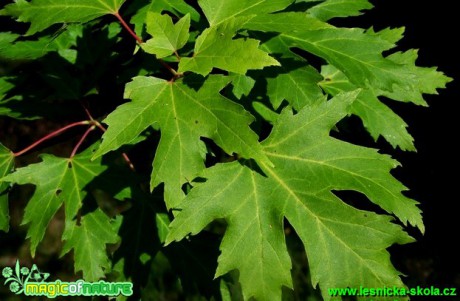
(431, 173)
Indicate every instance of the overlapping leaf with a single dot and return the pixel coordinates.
(216, 48)
(177, 7)
(294, 172)
(309, 165)
(6, 39)
(354, 52)
(30, 50)
(183, 115)
(6, 166)
(242, 85)
(217, 11)
(25, 50)
(167, 37)
(378, 118)
(5, 86)
(328, 9)
(58, 181)
(89, 240)
(294, 81)
(426, 80)
(44, 13)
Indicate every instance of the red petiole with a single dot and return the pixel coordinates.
(74, 151)
(51, 135)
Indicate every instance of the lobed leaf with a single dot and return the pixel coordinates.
(89, 240)
(309, 166)
(354, 52)
(291, 177)
(44, 13)
(58, 181)
(183, 116)
(216, 48)
(378, 118)
(167, 37)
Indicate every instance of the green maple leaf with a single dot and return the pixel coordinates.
(89, 240)
(353, 51)
(217, 11)
(216, 48)
(183, 116)
(309, 165)
(378, 118)
(44, 13)
(328, 9)
(30, 50)
(6, 166)
(167, 37)
(58, 181)
(426, 80)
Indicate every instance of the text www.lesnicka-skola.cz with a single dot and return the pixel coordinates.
(392, 291)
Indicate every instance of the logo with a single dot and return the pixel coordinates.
(32, 282)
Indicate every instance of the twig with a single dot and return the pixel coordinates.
(87, 112)
(51, 135)
(75, 149)
(170, 69)
(126, 26)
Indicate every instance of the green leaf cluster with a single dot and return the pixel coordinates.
(229, 128)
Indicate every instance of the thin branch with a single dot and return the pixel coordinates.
(89, 130)
(170, 69)
(128, 161)
(177, 55)
(51, 135)
(99, 125)
(126, 26)
(88, 113)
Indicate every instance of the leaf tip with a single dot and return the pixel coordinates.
(168, 240)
